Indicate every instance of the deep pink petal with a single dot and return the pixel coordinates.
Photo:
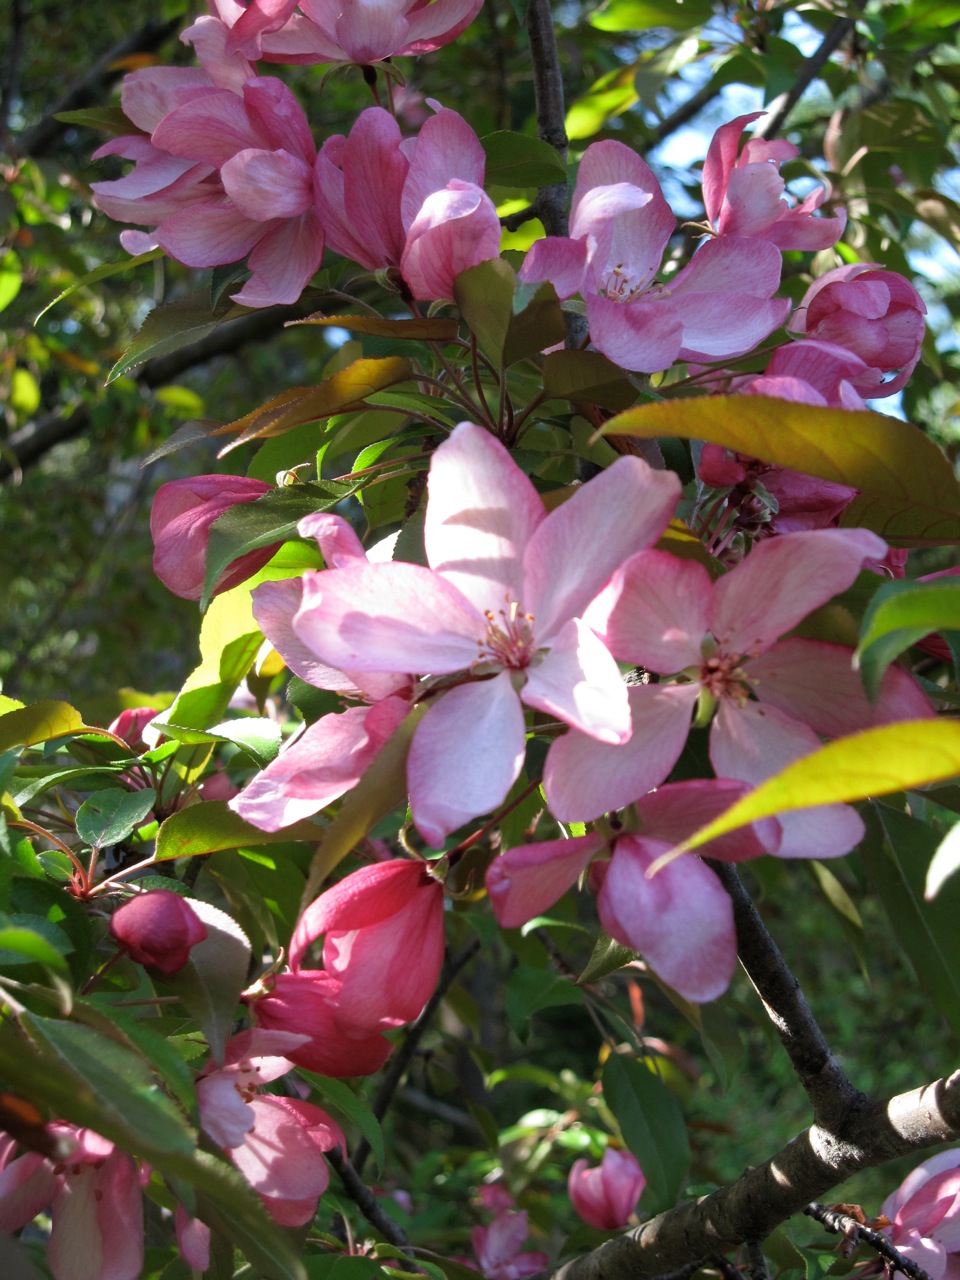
(151, 93)
(623, 509)
(675, 811)
(268, 184)
(433, 25)
(681, 919)
(563, 262)
(578, 681)
(456, 228)
(208, 235)
(283, 261)
(446, 148)
(784, 579)
(482, 512)
(388, 617)
(527, 880)
(465, 756)
(211, 128)
(721, 158)
(755, 741)
(610, 163)
(584, 778)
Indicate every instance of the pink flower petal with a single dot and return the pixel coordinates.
(268, 184)
(465, 756)
(681, 920)
(661, 616)
(283, 261)
(482, 512)
(584, 778)
(447, 148)
(527, 880)
(578, 681)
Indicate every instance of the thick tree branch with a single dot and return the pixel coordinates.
(831, 1094)
(551, 112)
(814, 1163)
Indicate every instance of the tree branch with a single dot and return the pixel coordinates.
(366, 1201)
(831, 1094)
(551, 113)
(749, 1209)
(842, 1224)
(812, 67)
(402, 1058)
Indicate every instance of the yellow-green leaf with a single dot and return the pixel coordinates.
(909, 493)
(38, 723)
(876, 762)
(210, 826)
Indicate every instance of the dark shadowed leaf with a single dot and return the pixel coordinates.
(652, 1125)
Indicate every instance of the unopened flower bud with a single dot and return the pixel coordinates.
(158, 928)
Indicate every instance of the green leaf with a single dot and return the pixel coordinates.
(611, 95)
(515, 160)
(38, 723)
(421, 329)
(530, 989)
(644, 15)
(346, 389)
(586, 375)
(209, 984)
(900, 614)
(607, 956)
(342, 1097)
(908, 491)
(174, 325)
(109, 119)
(210, 826)
(28, 939)
(113, 1086)
(509, 320)
(100, 1013)
(110, 816)
(11, 278)
(876, 762)
(247, 526)
(896, 855)
(652, 1125)
(102, 273)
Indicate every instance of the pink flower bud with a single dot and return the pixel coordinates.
(180, 521)
(876, 314)
(158, 929)
(606, 1195)
(130, 724)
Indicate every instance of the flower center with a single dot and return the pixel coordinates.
(508, 640)
(722, 676)
(618, 286)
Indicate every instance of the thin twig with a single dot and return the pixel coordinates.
(832, 1095)
(756, 1266)
(774, 121)
(404, 1055)
(842, 1224)
(367, 1202)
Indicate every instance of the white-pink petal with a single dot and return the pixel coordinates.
(662, 614)
(579, 682)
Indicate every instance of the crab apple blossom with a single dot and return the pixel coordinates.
(93, 1194)
(743, 194)
(681, 918)
(606, 1195)
(276, 1142)
(498, 1247)
(158, 929)
(180, 520)
(772, 500)
(417, 205)
(500, 607)
(874, 313)
(360, 31)
(718, 306)
(261, 143)
(924, 1216)
(773, 699)
(383, 947)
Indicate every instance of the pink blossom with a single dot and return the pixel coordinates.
(876, 314)
(383, 948)
(158, 929)
(500, 607)
(681, 919)
(415, 205)
(130, 724)
(328, 30)
(773, 699)
(498, 1247)
(180, 520)
(606, 1195)
(924, 1216)
(720, 305)
(93, 1194)
(772, 500)
(743, 195)
(277, 1143)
